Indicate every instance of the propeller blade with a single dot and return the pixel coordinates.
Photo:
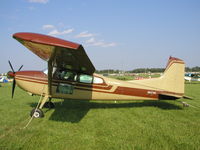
(13, 87)
(11, 66)
(13, 75)
(20, 68)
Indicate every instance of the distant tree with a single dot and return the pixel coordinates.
(145, 70)
(110, 71)
(193, 69)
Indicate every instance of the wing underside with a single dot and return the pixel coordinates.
(63, 54)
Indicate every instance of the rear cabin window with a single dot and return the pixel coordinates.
(97, 80)
(85, 78)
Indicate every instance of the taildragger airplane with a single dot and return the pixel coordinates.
(71, 75)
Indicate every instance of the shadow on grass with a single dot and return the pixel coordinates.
(74, 110)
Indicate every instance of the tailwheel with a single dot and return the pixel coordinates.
(37, 113)
(49, 104)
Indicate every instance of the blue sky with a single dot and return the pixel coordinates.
(115, 34)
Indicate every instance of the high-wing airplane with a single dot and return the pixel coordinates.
(71, 75)
(2, 79)
(192, 77)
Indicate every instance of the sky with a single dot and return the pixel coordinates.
(116, 34)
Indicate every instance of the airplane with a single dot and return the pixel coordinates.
(192, 77)
(3, 80)
(71, 75)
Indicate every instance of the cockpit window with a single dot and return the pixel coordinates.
(68, 75)
(65, 75)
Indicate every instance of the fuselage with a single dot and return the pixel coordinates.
(86, 87)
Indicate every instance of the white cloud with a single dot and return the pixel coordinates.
(91, 40)
(90, 37)
(67, 31)
(98, 43)
(38, 1)
(110, 44)
(56, 32)
(47, 26)
(84, 34)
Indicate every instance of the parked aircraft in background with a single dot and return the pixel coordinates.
(3, 79)
(192, 77)
(70, 75)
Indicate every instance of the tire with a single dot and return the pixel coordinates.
(49, 105)
(37, 113)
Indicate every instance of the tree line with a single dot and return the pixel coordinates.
(144, 70)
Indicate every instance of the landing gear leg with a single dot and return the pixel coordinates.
(37, 112)
(43, 102)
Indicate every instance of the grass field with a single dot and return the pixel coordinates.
(83, 125)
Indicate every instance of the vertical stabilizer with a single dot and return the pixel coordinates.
(171, 83)
(173, 77)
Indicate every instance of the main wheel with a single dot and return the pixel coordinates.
(49, 104)
(37, 113)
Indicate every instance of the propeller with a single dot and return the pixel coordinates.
(12, 74)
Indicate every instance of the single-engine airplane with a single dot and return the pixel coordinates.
(192, 77)
(71, 75)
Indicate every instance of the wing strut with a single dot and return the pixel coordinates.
(50, 72)
(50, 68)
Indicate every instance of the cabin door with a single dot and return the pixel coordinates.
(64, 82)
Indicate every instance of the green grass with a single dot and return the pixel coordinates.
(122, 77)
(83, 125)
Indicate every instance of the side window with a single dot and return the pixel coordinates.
(85, 78)
(65, 75)
(97, 80)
